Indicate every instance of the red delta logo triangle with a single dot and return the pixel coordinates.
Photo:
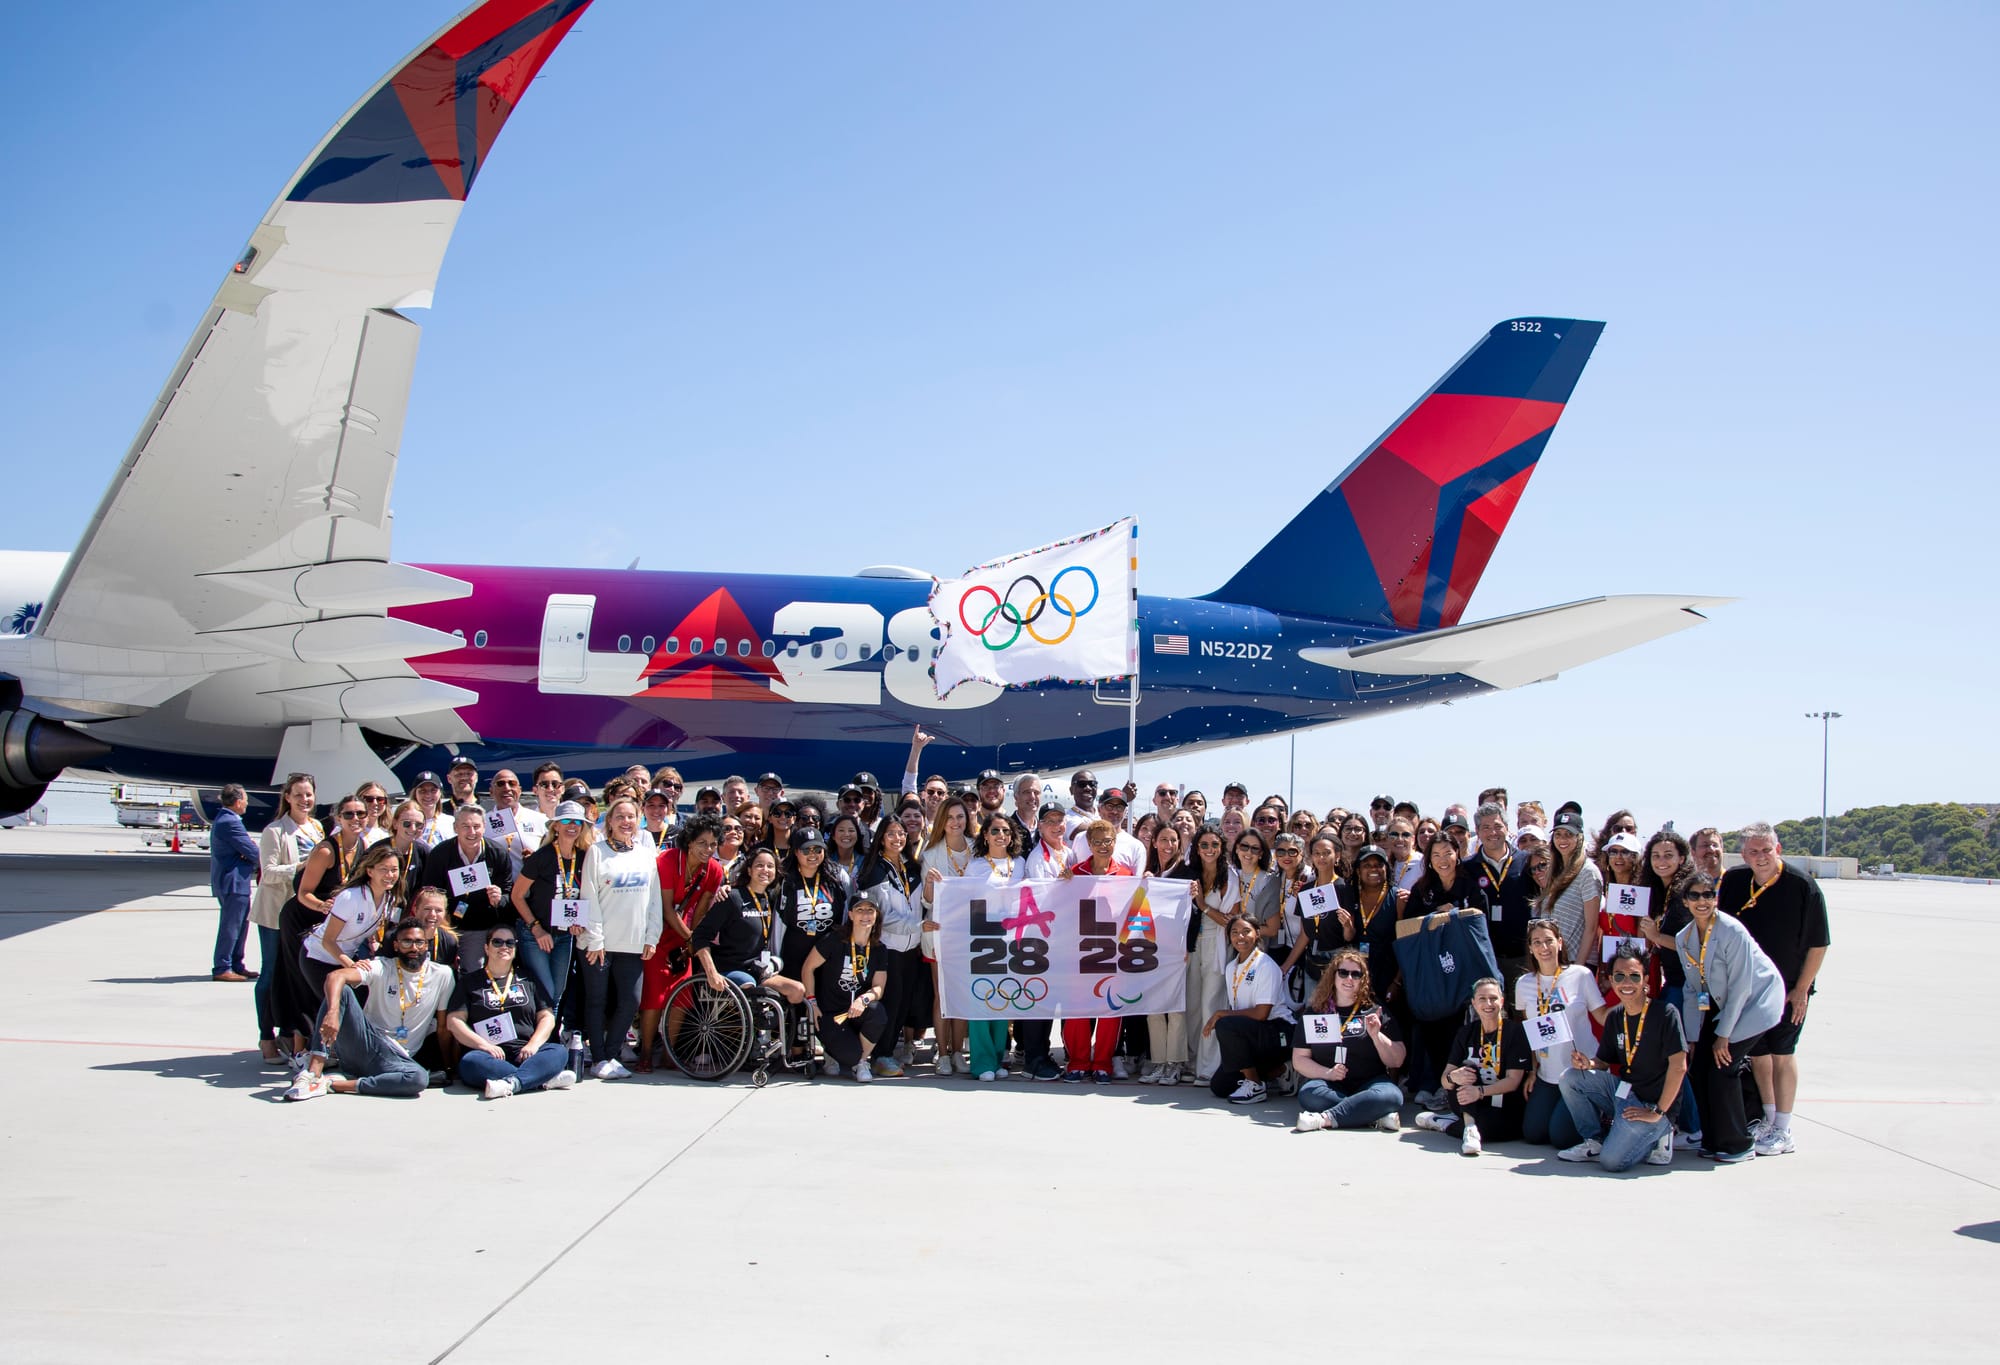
(707, 676)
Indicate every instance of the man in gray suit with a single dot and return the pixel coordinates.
(232, 877)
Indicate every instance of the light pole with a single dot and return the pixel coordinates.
(1826, 720)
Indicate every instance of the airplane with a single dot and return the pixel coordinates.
(232, 609)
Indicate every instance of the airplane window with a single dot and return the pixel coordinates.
(818, 649)
(673, 644)
(647, 644)
(459, 633)
(624, 643)
(792, 649)
(840, 650)
(742, 649)
(694, 645)
(770, 648)
(722, 646)
(479, 640)
(866, 651)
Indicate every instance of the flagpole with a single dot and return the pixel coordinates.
(1132, 714)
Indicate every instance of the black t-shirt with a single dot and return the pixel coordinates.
(1430, 895)
(1653, 1043)
(480, 998)
(1515, 1055)
(846, 969)
(544, 868)
(1671, 923)
(1356, 1048)
(1377, 940)
(808, 909)
(734, 931)
(472, 911)
(1507, 888)
(444, 948)
(1788, 919)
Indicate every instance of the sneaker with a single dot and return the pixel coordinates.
(989, 1075)
(1075, 1077)
(500, 1087)
(904, 1053)
(1248, 1092)
(1045, 1070)
(1587, 1150)
(1422, 1099)
(440, 1079)
(1774, 1142)
(1469, 1145)
(1185, 1076)
(1000, 1073)
(1440, 1103)
(308, 1087)
(944, 1064)
(296, 1062)
(1288, 1081)
(863, 1072)
(1693, 1139)
(1431, 1123)
(888, 1066)
(1119, 1071)
(562, 1080)
(610, 1070)
(1012, 1059)
(1391, 1122)
(1758, 1127)
(830, 1067)
(1100, 1077)
(1732, 1158)
(1663, 1151)
(965, 1061)
(1312, 1121)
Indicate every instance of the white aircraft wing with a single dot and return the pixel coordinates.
(1528, 647)
(246, 537)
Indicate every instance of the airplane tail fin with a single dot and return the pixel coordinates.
(1403, 535)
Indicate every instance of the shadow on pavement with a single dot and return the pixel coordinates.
(1981, 1232)
(202, 977)
(223, 1070)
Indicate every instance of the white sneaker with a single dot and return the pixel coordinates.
(1000, 1073)
(1759, 1127)
(830, 1067)
(1587, 1150)
(1431, 1123)
(1185, 1076)
(500, 1087)
(1391, 1122)
(1469, 1145)
(1663, 1150)
(610, 1069)
(1119, 1071)
(904, 1052)
(1775, 1142)
(864, 1072)
(944, 1064)
(1312, 1121)
(562, 1080)
(990, 1075)
(1288, 1081)
(308, 1087)
(965, 1061)
(1248, 1092)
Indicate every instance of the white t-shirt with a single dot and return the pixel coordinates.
(1576, 988)
(358, 914)
(440, 830)
(1128, 851)
(1260, 983)
(1046, 863)
(530, 826)
(1409, 873)
(406, 1000)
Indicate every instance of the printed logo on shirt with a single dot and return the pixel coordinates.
(627, 881)
(814, 914)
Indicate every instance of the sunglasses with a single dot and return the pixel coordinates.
(1288, 853)
(1631, 978)
(1348, 973)
(1698, 896)
(553, 784)
(353, 814)
(1266, 820)
(376, 800)
(670, 786)
(811, 851)
(409, 824)
(500, 943)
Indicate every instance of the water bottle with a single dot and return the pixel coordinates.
(573, 1040)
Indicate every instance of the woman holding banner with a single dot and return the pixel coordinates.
(949, 853)
(1166, 1034)
(1089, 1043)
(1253, 1030)
(999, 862)
(1208, 949)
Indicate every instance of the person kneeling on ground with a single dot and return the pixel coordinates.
(1625, 1118)
(504, 1027)
(375, 1045)
(1482, 1076)
(1253, 1032)
(1348, 1083)
(850, 974)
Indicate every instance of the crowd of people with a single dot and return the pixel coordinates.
(523, 937)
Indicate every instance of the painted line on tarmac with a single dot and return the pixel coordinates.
(93, 1042)
(604, 1218)
(1894, 1151)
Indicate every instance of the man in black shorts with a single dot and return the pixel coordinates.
(1785, 912)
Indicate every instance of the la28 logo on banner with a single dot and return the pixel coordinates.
(1099, 953)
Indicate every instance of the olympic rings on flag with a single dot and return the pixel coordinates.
(1021, 992)
(1023, 618)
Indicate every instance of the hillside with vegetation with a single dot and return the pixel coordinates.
(1945, 838)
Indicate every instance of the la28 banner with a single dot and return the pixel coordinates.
(1082, 948)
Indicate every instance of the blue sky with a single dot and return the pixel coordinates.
(801, 287)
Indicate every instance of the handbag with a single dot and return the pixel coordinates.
(1441, 956)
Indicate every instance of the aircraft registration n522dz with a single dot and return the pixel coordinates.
(232, 608)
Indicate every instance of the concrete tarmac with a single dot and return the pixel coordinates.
(161, 1204)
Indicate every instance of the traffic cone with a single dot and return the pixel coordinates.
(177, 840)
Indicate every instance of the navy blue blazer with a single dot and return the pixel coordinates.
(232, 857)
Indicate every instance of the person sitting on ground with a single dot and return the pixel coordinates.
(359, 917)
(1553, 985)
(375, 1045)
(503, 1025)
(1482, 1076)
(850, 975)
(1253, 1031)
(1346, 1079)
(1623, 1117)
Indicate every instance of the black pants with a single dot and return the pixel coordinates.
(611, 1003)
(1034, 1037)
(842, 1042)
(905, 970)
(1718, 1090)
(1434, 1039)
(1246, 1043)
(1502, 1124)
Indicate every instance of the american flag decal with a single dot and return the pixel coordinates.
(1170, 644)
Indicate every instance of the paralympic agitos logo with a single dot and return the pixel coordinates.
(1022, 610)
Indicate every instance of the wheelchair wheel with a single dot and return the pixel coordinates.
(709, 1032)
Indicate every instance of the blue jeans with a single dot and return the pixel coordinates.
(1351, 1109)
(230, 931)
(268, 968)
(368, 1056)
(549, 971)
(476, 1068)
(1687, 1111)
(1592, 1098)
(1547, 1121)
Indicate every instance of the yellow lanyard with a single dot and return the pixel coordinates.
(346, 863)
(1242, 973)
(1701, 962)
(764, 914)
(1056, 858)
(504, 991)
(1542, 1001)
(1628, 1040)
(404, 1001)
(1348, 1022)
(1500, 873)
(957, 867)
(1756, 891)
(566, 883)
(1249, 889)
(1489, 1053)
(857, 955)
(1367, 915)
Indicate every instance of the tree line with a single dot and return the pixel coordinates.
(1945, 838)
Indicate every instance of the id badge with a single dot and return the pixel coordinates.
(1493, 913)
(1702, 1001)
(1499, 1100)
(1624, 1090)
(1364, 950)
(402, 1034)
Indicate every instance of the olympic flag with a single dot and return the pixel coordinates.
(1085, 948)
(1068, 610)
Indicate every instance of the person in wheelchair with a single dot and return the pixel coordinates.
(850, 973)
(737, 940)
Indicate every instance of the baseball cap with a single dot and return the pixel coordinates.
(1383, 800)
(770, 779)
(1115, 794)
(806, 835)
(1570, 820)
(1454, 821)
(1051, 808)
(462, 762)
(1629, 842)
(866, 781)
(569, 810)
(1235, 787)
(990, 775)
(426, 776)
(1370, 851)
(1535, 832)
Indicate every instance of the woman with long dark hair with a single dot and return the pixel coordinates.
(892, 880)
(1575, 893)
(318, 881)
(848, 980)
(948, 852)
(282, 850)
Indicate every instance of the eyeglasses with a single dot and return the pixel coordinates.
(1348, 973)
(1394, 837)
(513, 782)
(506, 943)
(670, 785)
(1630, 978)
(732, 829)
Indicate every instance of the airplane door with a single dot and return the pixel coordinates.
(565, 637)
